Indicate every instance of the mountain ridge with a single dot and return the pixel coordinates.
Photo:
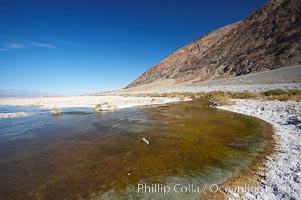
(268, 39)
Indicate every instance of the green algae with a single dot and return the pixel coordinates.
(104, 153)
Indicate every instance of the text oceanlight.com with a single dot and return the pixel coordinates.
(192, 188)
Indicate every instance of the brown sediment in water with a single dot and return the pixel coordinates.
(87, 159)
(248, 177)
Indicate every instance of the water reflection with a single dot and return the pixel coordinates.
(86, 154)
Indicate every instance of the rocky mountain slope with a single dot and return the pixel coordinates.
(268, 39)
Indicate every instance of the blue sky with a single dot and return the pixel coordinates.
(84, 46)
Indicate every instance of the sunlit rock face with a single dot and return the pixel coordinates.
(267, 39)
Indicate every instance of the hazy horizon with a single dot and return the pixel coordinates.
(70, 48)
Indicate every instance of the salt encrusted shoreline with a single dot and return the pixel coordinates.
(85, 101)
(283, 176)
(13, 115)
(106, 103)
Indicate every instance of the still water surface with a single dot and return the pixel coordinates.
(82, 154)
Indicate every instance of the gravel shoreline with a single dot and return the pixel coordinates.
(283, 170)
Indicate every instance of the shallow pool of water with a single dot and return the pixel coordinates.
(82, 154)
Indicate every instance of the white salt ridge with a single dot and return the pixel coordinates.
(283, 176)
(86, 101)
(13, 115)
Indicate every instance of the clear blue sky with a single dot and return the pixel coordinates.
(82, 46)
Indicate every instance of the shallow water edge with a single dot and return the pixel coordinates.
(88, 155)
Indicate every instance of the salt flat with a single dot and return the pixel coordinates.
(85, 101)
(283, 176)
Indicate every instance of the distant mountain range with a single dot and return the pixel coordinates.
(24, 93)
(270, 38)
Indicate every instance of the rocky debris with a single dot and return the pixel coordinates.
(56, 112)
(104, 107)
(268, 39)
(13, 115)
(213, 104)
(283, 171)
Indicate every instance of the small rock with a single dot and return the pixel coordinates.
(56, 112)
(297, 179)
(104, 107)
(262, 182)
(145, 140)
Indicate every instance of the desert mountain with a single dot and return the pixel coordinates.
(268, 39)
